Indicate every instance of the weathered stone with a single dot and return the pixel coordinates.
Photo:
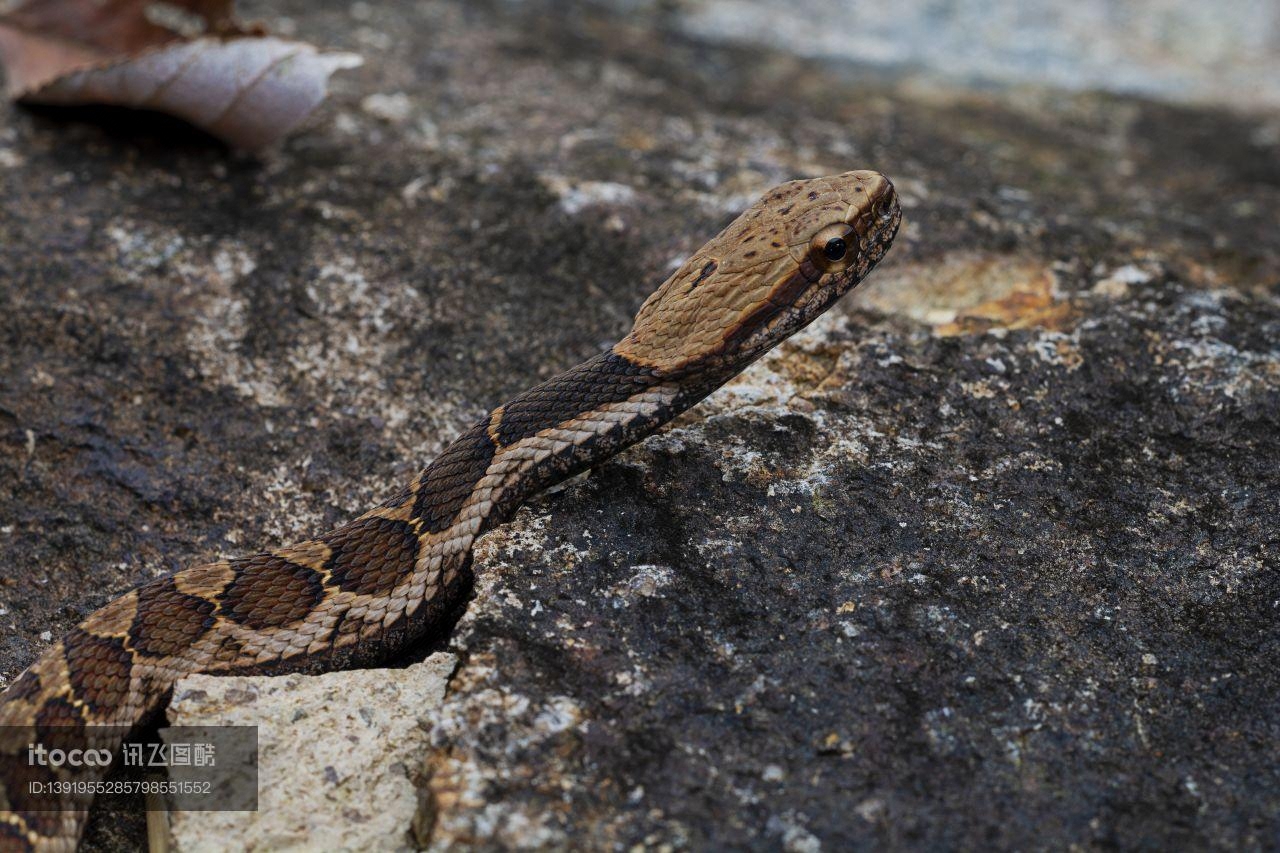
(987, 558)
(899, 589)
(339, 756)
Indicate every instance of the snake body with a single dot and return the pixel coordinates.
(365, 590)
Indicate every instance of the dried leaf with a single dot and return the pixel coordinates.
(237, 83)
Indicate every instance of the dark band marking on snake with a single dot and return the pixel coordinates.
(366, 590)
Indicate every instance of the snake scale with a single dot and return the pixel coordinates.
(367, 589)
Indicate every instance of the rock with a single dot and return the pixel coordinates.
(1175, 49)
(575, 198)
(921, 588)
(394, 108)
(986, 558)
(338, 756)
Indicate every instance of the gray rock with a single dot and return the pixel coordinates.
(1181, 49)
(948, 591)
(986, 559)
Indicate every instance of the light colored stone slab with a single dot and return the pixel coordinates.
(338, 755)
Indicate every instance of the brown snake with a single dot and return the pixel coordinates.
(364, 591)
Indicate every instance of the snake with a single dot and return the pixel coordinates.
(365, 591)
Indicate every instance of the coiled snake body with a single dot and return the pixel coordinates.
(365, 590)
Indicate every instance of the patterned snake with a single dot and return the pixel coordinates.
(366, 590)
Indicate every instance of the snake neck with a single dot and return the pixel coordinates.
(541, 437)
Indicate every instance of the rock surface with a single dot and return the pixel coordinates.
(986, 558)
(339, 756)
(1224, 52)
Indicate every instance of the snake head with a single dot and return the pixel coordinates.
(779, 265)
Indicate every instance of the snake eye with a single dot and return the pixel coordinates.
(829, 249)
